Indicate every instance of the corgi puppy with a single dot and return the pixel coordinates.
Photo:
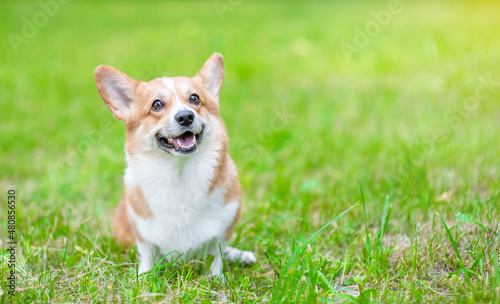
(182, 195)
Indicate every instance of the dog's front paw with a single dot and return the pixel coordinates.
(217, 270)
(145, 266)
(221, 278)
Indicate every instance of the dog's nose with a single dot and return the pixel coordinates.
(185, 118)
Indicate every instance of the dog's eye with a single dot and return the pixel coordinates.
(157, 105)
(194, 99)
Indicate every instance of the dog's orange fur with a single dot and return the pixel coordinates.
(123, 232)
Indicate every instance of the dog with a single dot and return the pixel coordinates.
(182, 195)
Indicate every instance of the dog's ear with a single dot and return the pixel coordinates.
(116, 89)
(212, 74)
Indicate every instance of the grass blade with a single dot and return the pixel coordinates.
(368, 240)
(332, 289)
(383, 222)
(467, 218)
(297, 254)
(497, 267)
(452, 240)
(324, 227)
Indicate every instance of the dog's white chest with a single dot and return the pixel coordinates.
(185, 217)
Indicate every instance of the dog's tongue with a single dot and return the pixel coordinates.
(185, 140)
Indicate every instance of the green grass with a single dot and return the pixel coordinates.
(393, 130)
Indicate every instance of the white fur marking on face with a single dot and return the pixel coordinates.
(170, 84)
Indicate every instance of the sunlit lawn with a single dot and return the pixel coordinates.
(408, 121)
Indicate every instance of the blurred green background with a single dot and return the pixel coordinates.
(402, 95)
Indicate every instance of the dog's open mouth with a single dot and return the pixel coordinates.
(185, 143)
